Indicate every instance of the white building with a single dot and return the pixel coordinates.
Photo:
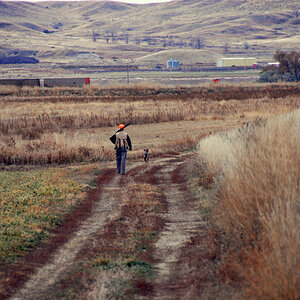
(236, 62)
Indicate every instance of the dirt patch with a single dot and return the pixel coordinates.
(182, 221)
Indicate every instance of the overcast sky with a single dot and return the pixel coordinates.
(126, 1)
(144, 1)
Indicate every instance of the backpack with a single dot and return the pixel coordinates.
(121, 140)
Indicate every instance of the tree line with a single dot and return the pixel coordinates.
(110, 37)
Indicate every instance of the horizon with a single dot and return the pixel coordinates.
(122, 1)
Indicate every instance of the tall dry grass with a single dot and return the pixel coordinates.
(32, 119)
(65, 148)
(63, 125)
(145, 92)
(257, 173)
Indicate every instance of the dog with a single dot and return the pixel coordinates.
(146, 155)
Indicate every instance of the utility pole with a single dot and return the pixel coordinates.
(127, 74)
(245, 69)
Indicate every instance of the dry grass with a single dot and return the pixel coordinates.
(258, 209)
(73, 125)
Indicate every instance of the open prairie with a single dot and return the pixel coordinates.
(72, 227)
(42, 126)
(213, 214)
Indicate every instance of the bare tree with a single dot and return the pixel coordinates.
(94, 36)
(113, 37)
(164, 42)
(289, 64)
(199, 43)
(107, 37)
(295, 10)
(288, 69)
(171, 41)
(226, 48)
(246, 46)
(137, 40)
(181, 43)
(126, 38)
(148, 39)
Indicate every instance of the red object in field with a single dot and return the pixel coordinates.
(216, 80)
(87, 81)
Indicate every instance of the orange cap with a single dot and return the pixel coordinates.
(121, 126)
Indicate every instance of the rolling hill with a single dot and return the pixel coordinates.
(113, 32)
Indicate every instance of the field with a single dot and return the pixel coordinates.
(60, 194)
(33, 203)
(64, 127)
(214, 214)
(108, 79)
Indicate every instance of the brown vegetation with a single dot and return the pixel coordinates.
(46, 126)
(256, 212)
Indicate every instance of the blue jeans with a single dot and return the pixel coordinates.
(121, 154)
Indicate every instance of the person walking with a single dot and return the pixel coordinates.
(146, 155)
(122, 142)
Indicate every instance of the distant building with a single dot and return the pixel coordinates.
(47, 82)
(275, 64)
(52, 82)
(173, 64)
(20, 82)
(236, 62)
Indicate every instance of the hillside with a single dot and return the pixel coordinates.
(113, 32)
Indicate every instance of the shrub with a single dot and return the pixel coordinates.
(269, 74)
(288, 70)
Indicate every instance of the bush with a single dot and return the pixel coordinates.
(288, 70)
(269, 74)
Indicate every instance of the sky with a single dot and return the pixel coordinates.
(143, 1)
(125, 1)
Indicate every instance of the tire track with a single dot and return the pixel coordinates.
(182, 222)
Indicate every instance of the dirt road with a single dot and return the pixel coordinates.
(182, 223)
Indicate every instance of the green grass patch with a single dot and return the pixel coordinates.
(32, 204)
(141, 268)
